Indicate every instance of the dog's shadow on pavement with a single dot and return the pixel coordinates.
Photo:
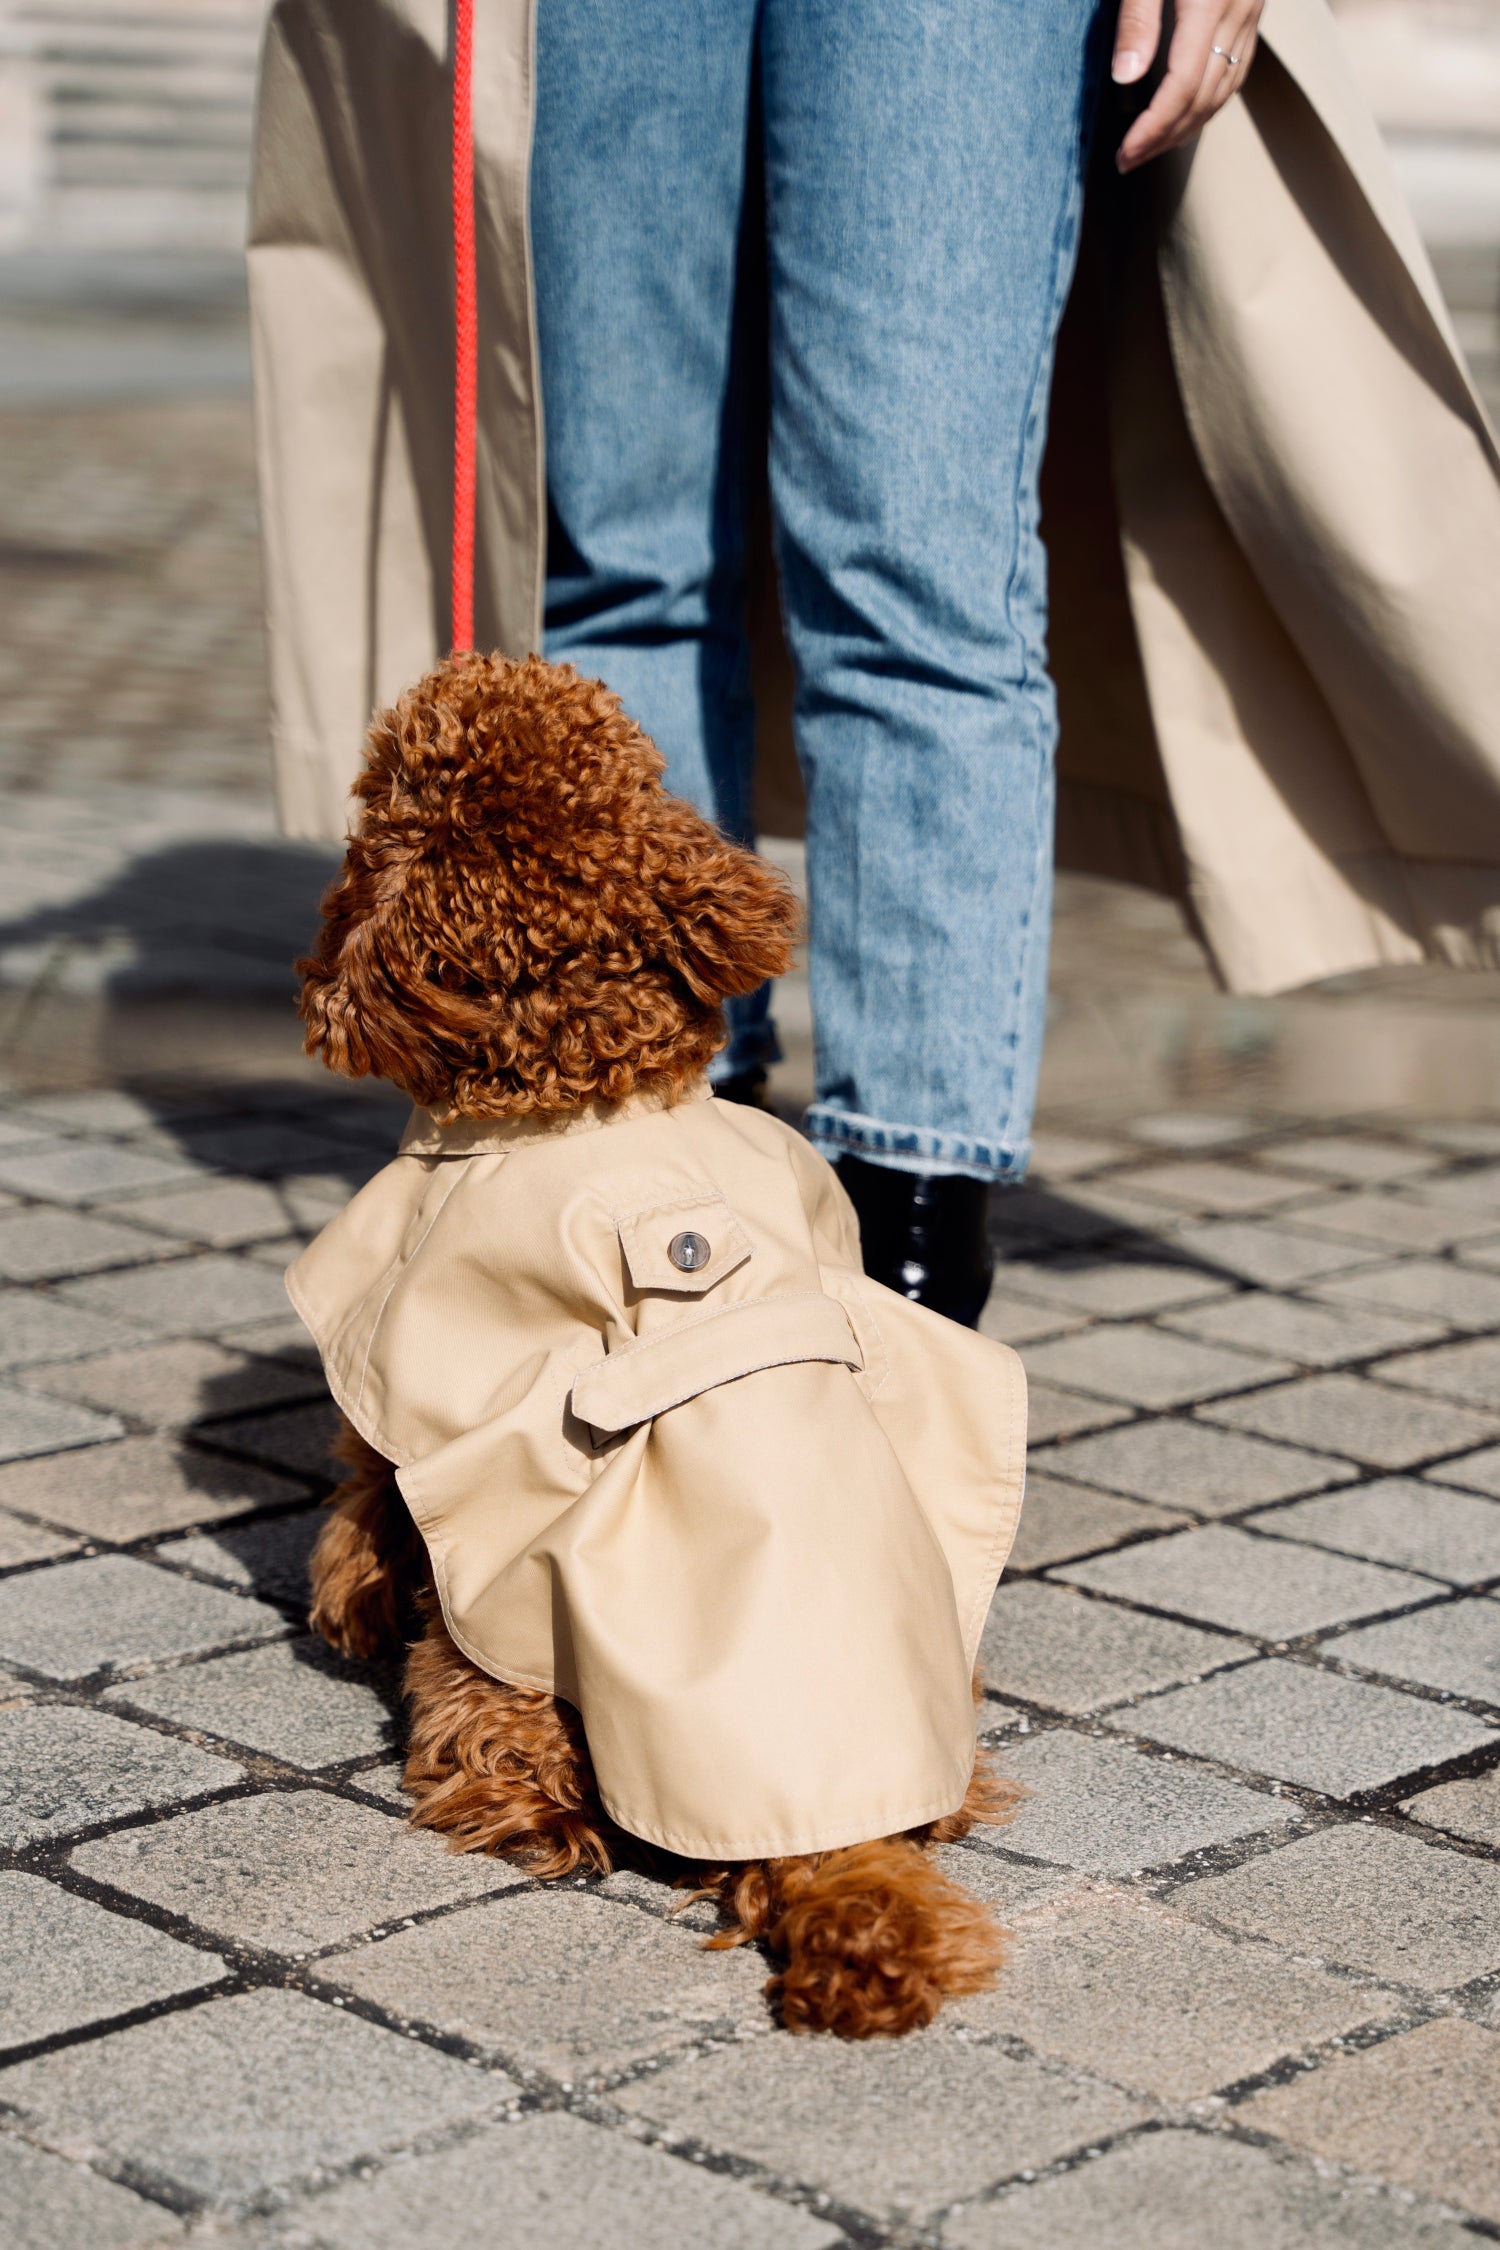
(174, 978)
(274, 1416)
(218, 917)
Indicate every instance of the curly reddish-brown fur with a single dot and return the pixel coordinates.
(871, 1939)
(501, 1769)
(369, 1565)
(526, 920)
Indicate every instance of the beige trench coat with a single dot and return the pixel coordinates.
(1272, 498)
(746, 1518)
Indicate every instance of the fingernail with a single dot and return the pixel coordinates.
(1127, 68)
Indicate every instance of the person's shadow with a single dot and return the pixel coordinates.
(174, 979)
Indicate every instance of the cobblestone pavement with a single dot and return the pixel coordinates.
(1246, 1660)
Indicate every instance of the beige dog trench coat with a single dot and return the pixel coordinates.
(747, 1518)
(1272, 499)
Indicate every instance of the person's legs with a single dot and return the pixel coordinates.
(637, 189)
(924, 170)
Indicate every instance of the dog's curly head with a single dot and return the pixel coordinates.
(525, 919)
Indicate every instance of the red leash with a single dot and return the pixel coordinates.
(465, 328)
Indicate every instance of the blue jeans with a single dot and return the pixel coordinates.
(858, 219)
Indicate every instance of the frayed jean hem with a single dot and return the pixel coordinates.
(913, 1148)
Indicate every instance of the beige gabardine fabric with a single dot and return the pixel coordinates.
(747, 1518)
(1271, 497)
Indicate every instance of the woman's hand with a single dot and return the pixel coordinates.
(1212, 43)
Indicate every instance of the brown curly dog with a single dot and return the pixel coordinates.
(524, 922)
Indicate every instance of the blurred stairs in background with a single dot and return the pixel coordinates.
(125, 125)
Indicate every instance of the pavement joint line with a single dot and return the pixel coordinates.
(1353, 1807)
(120, 2171)
(1334, 1811)
(1443, 1596)
(81, 2035)
(93, 1684)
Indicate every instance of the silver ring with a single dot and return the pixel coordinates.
(1226, 56)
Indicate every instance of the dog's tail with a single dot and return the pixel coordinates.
(872, 1939)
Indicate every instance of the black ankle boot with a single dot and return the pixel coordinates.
(925, 1235)
(745, 1086)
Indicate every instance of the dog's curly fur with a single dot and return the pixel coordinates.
(526, 921)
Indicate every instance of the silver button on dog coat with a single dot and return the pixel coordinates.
(678, 1461)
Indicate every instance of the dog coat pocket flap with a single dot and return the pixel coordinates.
(643, 1380)
(686, 1246)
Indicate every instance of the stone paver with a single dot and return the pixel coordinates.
(1390, 1221)
(1418, 2109)
(22, 1542)
(269, 1558)
(1370, 1422)
(1211, 1188)
(1456, 1647)
(34, 1327)
(1121, 1988)
(50, 2204)
(1462, 1808)
(1288, 1328)
(895, 2131)
(1153, 2194)
(1452, 1294)
(258, 2091)
(1189, 1465)
(295, 1872)
(1368, 1898)
(1227, 1577)
(31, 1426)
(1017, 1320)
(187, 1296)
(110, 1610)
(1053, 1413)
(1107, 1809)
(1472, 1472)
(1270, 1255)
(138, 1486)
(1476, 1188)
(1298, 1724)
(1404, 1521)
(1107, 1286)
(1140, 1366)
(62, 1768)
(560, 2183)
(1191, 1129)
(1339, 1156)
(39, 1244)
(1468, 1373)
(65, 1962)
(174, 1384)
(233, 1213)
(1061, 1520)
(89, 1171)
(1460, 1136)
(560, 1982)
(1050, 1646)
(1058, 1155)
(291, 1699)
(1013, 1887)
(298, 1438)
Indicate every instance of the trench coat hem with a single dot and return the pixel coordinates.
(772, 1846)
